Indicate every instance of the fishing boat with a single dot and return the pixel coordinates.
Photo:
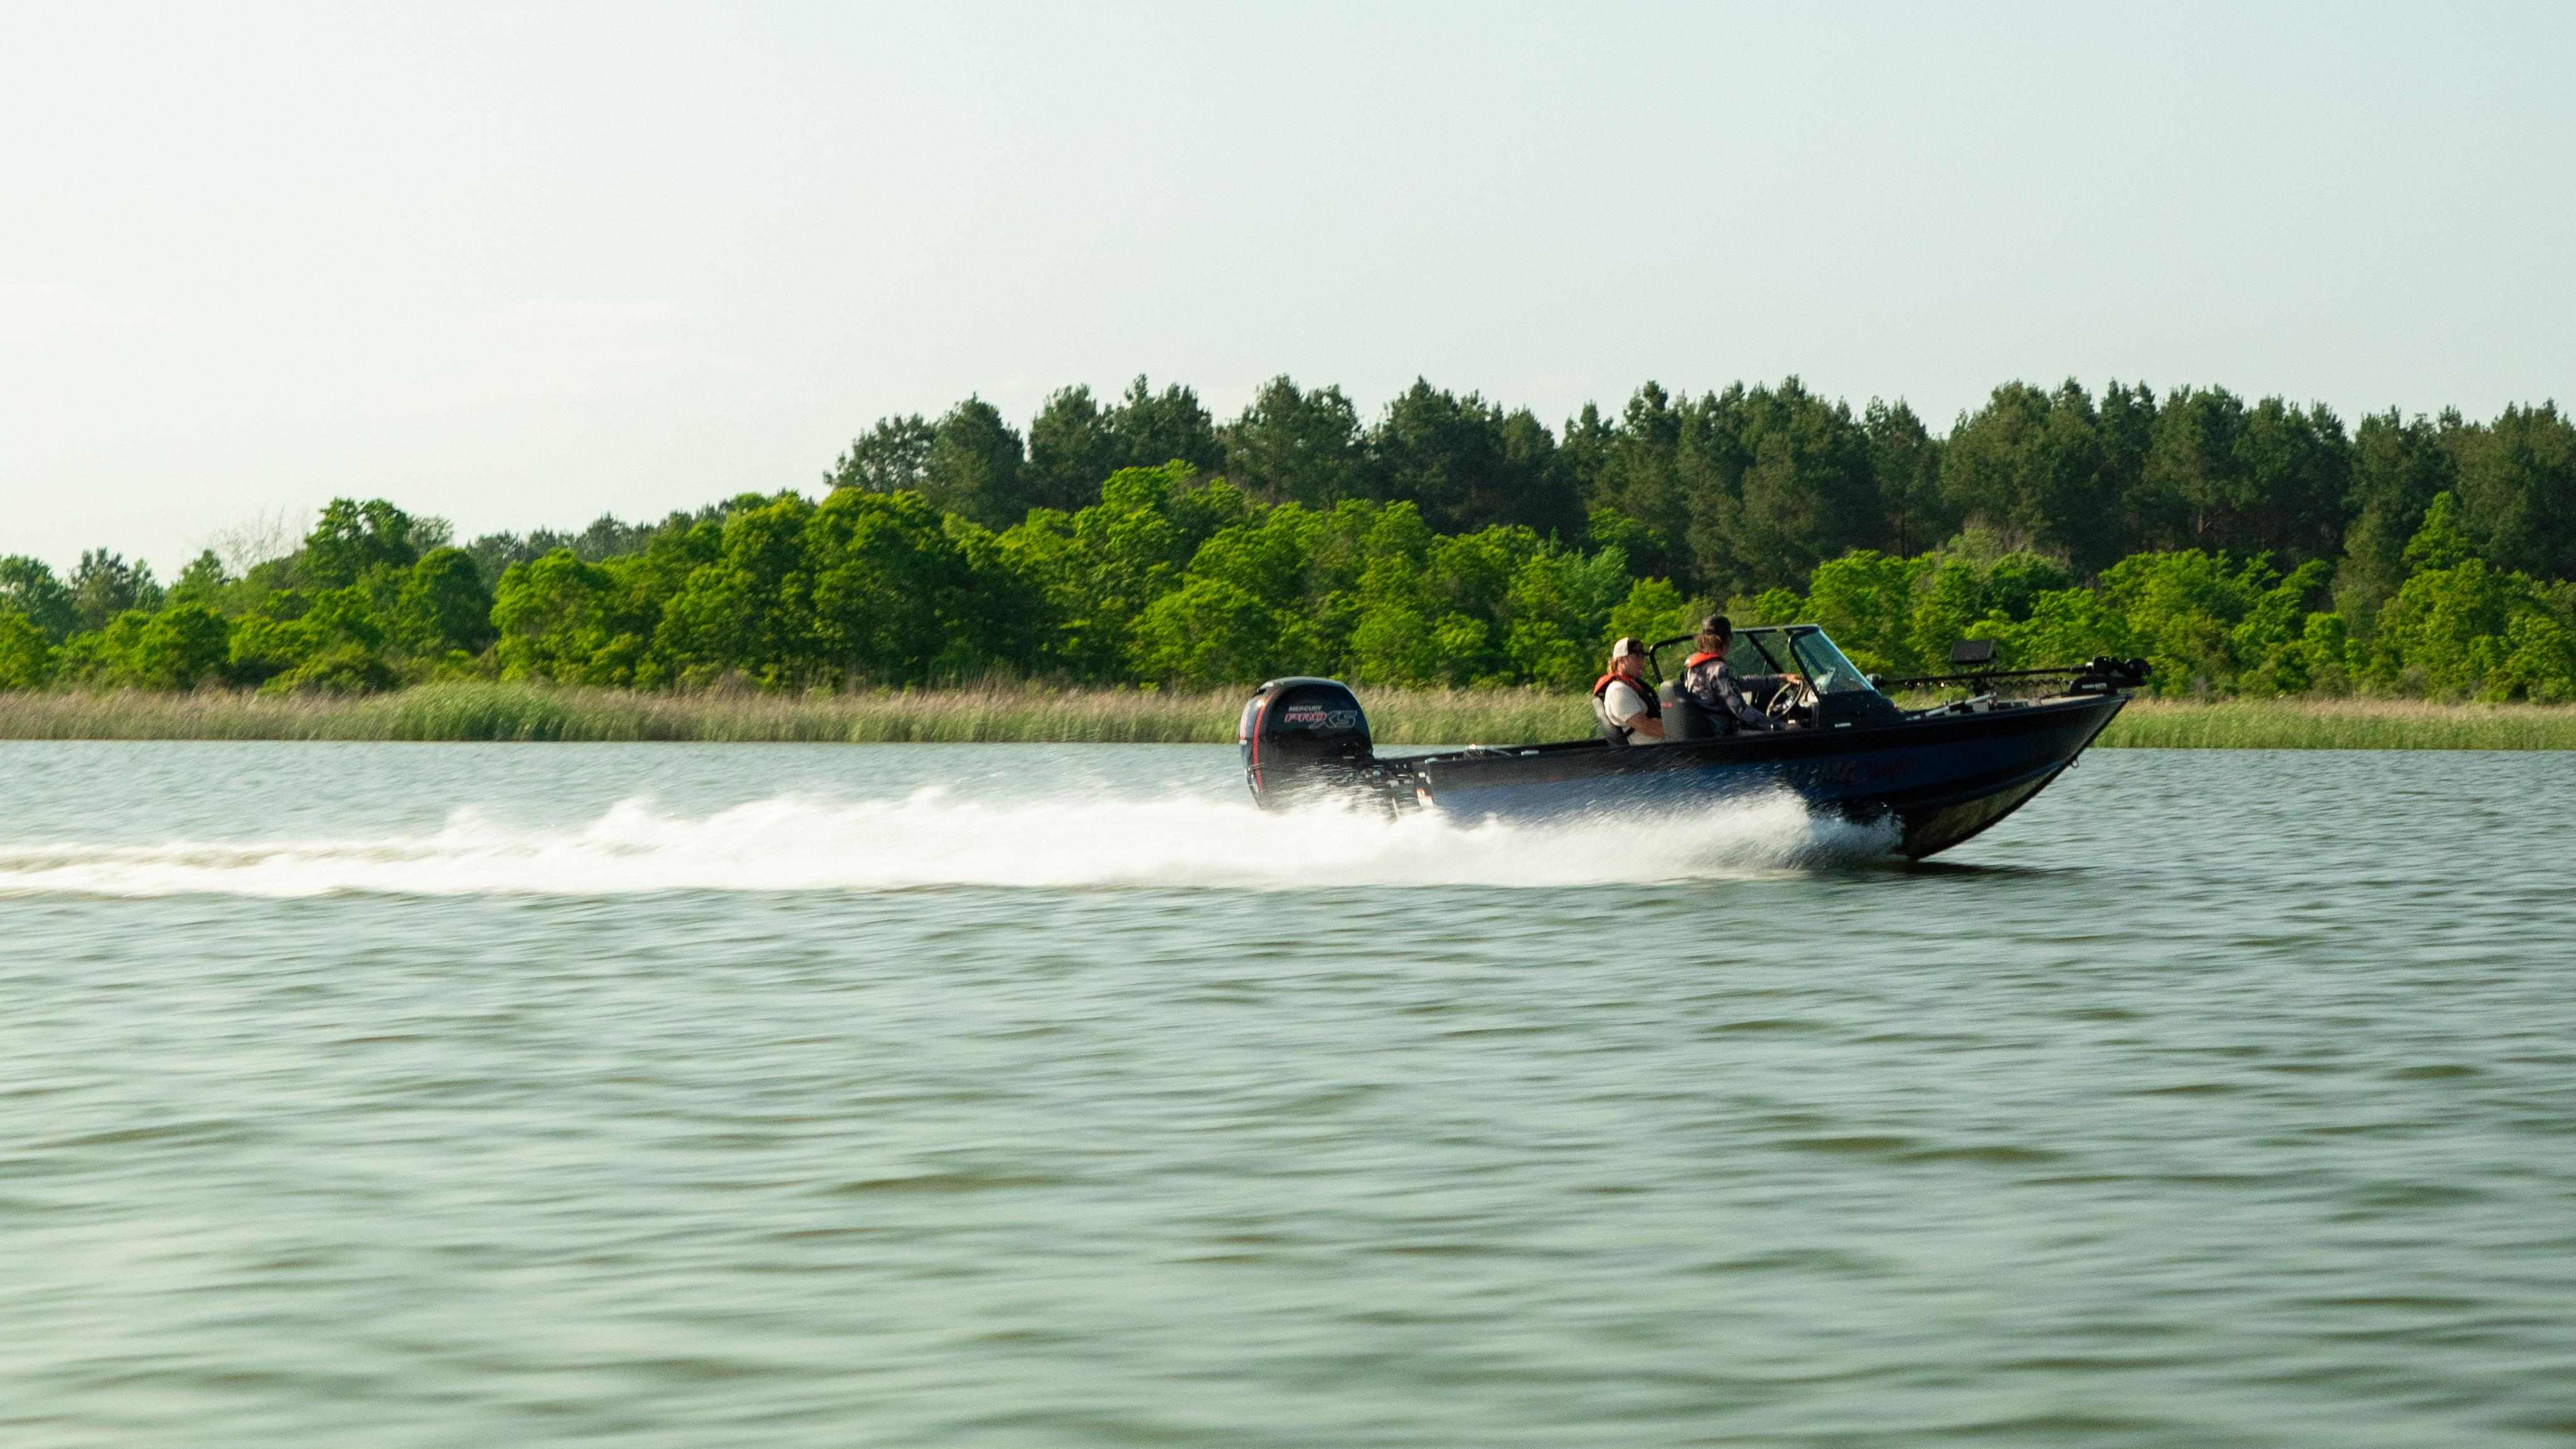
(1940, 772)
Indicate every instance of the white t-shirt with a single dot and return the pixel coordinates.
(1622, 702)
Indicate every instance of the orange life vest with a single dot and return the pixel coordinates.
(1645, 691)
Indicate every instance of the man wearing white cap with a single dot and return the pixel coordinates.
(1622, 699)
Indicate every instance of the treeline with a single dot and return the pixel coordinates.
(2257, 548)
(1729, 493)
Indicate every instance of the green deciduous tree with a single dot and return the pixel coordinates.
(1561, 610)
(203, 581)
(750, 609)
(1096, 572)
(260, 647)
(353, 542)
(443, 605)
(180, 647)
(2208, 623)
(336, 669)
(2460, 627)
(1653, 609)
(1209, 632)
(893, 591)
(2538, 660)
(1865, 600)
(105, 585)
(558, 619)
(103, 657)
(26, 658)
(29, 589)
(2061, 626)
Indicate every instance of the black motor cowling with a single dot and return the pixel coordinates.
(1305, 737)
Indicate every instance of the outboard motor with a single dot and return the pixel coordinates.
(1305, 737)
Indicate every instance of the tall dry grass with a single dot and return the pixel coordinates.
(2342, 724)
(474, 711)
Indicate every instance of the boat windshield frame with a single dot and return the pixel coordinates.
(1826, 668)
(1784, 650)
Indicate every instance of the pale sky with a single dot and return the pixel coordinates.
(519, 265)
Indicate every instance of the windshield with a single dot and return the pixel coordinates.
(1777, 652)
(1827, 671)
(1751, 656)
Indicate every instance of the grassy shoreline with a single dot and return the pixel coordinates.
(472, 711)
(2341, 724)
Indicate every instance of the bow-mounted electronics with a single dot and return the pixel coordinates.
(1974, 661)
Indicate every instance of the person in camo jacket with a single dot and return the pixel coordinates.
(1711, 685)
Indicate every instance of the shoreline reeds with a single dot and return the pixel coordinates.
(976, 714)
(2340, 724)
(1005, 713)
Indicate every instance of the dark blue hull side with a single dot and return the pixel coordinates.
(1944, 778)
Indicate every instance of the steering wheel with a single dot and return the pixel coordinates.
(1792, 696)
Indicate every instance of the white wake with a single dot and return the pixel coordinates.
(931, 839)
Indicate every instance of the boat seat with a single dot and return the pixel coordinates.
(1684, 719)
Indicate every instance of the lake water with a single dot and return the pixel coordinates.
(680, 1095)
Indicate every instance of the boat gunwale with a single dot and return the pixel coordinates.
(1766, 746)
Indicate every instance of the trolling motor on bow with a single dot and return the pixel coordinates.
(1973, 661)
(1305, 738)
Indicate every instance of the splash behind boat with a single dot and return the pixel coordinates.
(1942, 773)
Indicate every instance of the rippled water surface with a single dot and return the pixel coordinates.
(432, 1095)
